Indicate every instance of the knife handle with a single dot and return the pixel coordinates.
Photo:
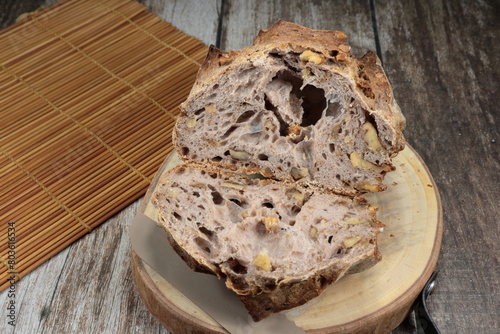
(425, 324)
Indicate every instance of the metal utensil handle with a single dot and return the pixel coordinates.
(425, 324)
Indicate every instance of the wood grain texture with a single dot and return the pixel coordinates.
(442, 59)
(194, 17)
(10, 10)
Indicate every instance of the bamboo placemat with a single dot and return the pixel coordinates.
(89, 91)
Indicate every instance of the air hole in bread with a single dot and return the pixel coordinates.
(330, 238)
(245, 116)
(184, 151)
(206, 232)
(263, 157)
(236, 266)
(333, 53)
(196, 194)
(239, 203)
(227, 153)
(268, 205)
(177, 216)
(367, 91)
(291, 222)
(203, 244)
(295, 210)
(283, 125)
(199, 111)
(217, 198)
(371, 119)
(291, 62)
(271, 286)
(217, 158)
(322, 281)
(331, 147)
(313, 103)
(333, 110)
(229, 131)
(275, 55)
(261, 228)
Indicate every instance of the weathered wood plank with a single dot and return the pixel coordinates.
(32, 295)
(194, 17)
(443, 61)
(10, 10)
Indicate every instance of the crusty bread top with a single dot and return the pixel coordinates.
(283, 32)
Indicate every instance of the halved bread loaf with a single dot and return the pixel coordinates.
(276, 244)
(296, 106)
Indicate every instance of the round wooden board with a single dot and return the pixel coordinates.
(374, 301)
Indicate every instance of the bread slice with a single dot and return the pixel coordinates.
(276, 244)
(296, 106)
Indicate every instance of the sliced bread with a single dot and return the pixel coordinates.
(295, 106)
(276, 244)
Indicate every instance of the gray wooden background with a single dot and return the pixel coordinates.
(443, 59)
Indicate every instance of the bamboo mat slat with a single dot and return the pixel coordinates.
(89, 91)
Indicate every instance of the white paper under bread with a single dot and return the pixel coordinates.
(150, 243)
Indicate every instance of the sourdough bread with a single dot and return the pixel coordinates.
(296, 106)
(320, 126)
(276, 244)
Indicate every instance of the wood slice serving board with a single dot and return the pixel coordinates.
(374, 301)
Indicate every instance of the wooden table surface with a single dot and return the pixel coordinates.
(443, 59)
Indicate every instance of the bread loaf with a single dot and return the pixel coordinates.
(295, 106)
(276, 244)
(320, 127)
